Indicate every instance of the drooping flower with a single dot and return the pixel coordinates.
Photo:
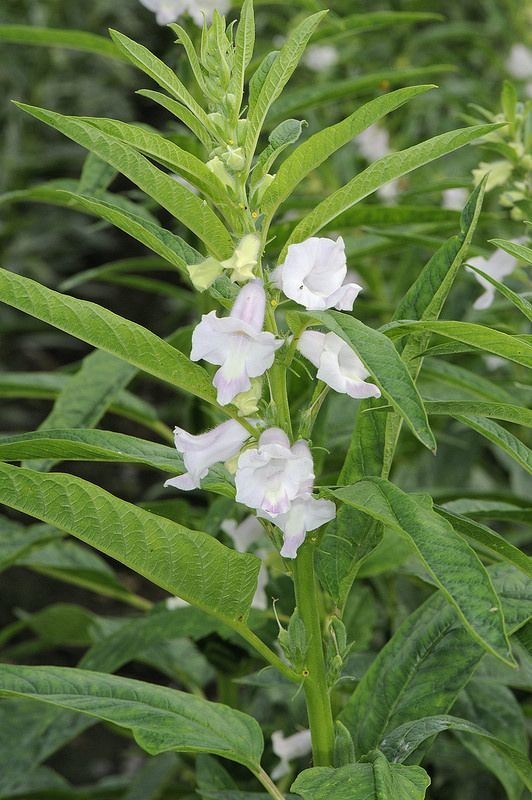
(270, 476)
(289, 748)
(338, 365)
(454, 199)
(313, 275)
(237, 343)
(203, 451)
(244, 535)
(319, 57)
(498, 266)
(305, 514)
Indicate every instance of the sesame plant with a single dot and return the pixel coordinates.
(285, 478)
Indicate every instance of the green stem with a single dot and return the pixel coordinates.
(277, 376)
(269, 785)
(316, 690)
(269, 655)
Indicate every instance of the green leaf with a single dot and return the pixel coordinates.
(502, 438)
(96, 175)
(160, 719)
(514, 348)
(492, 542)
(166, 152)
(376, 781)
(141, 57)
(450, 561)
(57, 37)
(318, 148)
(342, 27)
(277, 77)
(49, 384)
(87, 396)
(520, 252)
(403, 741)
(378, 174)
(17, 540)
(506, 411)
(381, 360)
(152, 778)
(519, 302)
(182, 113)
(175, 198)
(244, 46)
(186, 563)
(430, 648)
(103, 329)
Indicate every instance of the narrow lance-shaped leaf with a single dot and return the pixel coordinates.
(58, 37)
(514, 348)
(381, 172)
(454, 565)
(309, 155)
(175, 198)
(524, 306)
(160, 719)
(381, 360)
(108, 331)
(520, 251)
(186, 563)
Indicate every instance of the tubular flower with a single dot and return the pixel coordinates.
(314, 273)
(305, 514)
(237, 343)
(338, 366)
(289, 748)
(498, 266)
(203, 451)
(270, 476)
(244, 259)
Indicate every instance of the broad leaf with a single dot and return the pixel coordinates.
(17, 540)
(186, 563)
(378, 174)
(159, 718)
(426, 663)
(107, 331)
(451, 562)
(378, 780)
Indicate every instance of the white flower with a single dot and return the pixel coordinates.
(270, 476)
(498, 266)
(166, 11)
(320, 57)
(305, 514)
(519, 62)
(454, 199)
(237, 343)
(313, 275)
(198, 8)
(338, 365)
(289, 748)
(203, 451)
(245, 534)
(374, 142)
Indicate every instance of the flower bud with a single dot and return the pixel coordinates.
(204, 274)
(244, 260)
(217, 167)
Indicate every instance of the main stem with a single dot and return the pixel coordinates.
(315, 685)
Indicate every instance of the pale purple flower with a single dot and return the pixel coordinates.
(166, 11)
(237, 343)
(454, 199)
(338, 365)
(305, 514)
(498, 266)
(270, 476)
(374, 143)
(313, 275)
(203, 451)
(289, 748)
